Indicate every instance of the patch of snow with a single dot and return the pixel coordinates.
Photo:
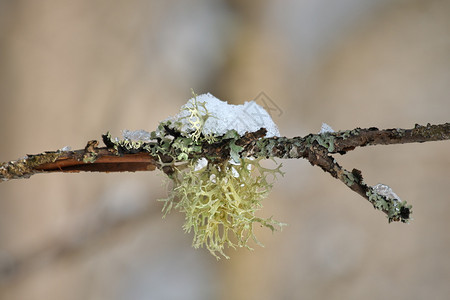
(65, 148)
(234, 172)
(201, 163)
(326, 128)
(136, 135)
(386, 191)
(213, 178)
(248, 117)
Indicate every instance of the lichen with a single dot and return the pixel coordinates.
(395, 209)
(325, 140)
(196, 118)
(349, 178)
(381, 197)
(89, 157)
(25, 167)
(220, 199)
(348, 133)
(428, 131)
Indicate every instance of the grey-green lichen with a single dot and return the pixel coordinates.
(349, 178)
(325, 139)
(381, 196)
(328, 139)
(400, 132)
(396, 210)
(348, 133)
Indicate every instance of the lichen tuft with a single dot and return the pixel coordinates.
(220, 201)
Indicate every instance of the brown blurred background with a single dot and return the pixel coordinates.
(72, 70)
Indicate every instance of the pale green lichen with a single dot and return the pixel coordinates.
(220, 201)
(197, 115)
(196, 118)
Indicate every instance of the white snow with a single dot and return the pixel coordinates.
(234, 172)
(136, 135)
(65, 148)
(386, 191)
(326, 128)
(248, 117)
(201, 163)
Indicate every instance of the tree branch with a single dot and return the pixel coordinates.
(316, 148)
(76, 161)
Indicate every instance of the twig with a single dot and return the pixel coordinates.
(316, 148)
(99, 160)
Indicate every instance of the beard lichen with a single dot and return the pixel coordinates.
(220, 201)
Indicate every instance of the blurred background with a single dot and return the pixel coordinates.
(72, 70)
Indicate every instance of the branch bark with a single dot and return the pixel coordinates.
(316, 148)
